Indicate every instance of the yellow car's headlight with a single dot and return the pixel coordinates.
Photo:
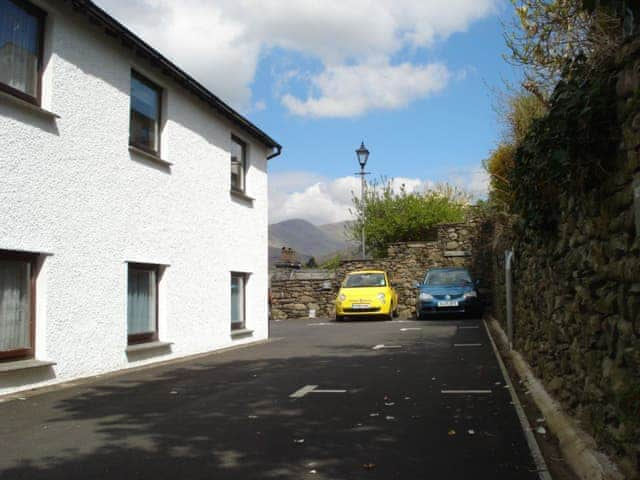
(342, 297)
(381, 297)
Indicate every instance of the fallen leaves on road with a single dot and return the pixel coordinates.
(451, 433)
(298, 440)
(369, 466)
(541, 430)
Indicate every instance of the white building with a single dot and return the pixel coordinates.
(133, 203)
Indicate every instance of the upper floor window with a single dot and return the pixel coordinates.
(17, 300)
(238, 164)
(21, 39)
(146, 103)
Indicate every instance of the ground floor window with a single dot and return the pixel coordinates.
(238, 300)
(142, 303)
(17, 304)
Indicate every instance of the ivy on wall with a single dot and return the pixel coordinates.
(567, 150)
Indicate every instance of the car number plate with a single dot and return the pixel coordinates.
(448, 303)
(360, 305)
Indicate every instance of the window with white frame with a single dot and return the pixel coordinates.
(17, 303)
(238, 300)
(142, 303)
(238, 164)
(21, 46)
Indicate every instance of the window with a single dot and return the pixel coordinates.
(17, 301)
(146, 103)
(238, 288)
(142, 303)
(238, 163)
(21, 33)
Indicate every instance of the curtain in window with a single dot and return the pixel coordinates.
(237, 301)
(141, 301)
(19, 56)
(15, 308)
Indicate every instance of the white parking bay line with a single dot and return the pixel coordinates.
(467, 344)
(319, 323)
(303, 391)
(464, 392)
(381, 346)
(406, 329)
(313, 389)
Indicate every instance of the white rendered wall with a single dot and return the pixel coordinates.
(71, 188)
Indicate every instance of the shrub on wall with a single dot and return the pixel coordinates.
(400, 216)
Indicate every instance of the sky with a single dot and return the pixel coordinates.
(412, 79)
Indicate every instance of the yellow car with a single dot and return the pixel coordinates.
(366, 293)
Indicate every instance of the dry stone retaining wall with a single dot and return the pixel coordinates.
(577, 294)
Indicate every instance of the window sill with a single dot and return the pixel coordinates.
(241, 196)
(143, 347)
(28, 106)
(150, 156)
(24, 365)
(244, 332)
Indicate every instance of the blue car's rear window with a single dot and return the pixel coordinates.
(447, 277)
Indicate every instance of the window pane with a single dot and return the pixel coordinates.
(19, 48)
(237, 301)
(145, 115)
(141, 301)
(15, 305)
(237, 164)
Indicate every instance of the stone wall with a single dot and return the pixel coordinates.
(577, 292)
(406, 264)
(295, 293)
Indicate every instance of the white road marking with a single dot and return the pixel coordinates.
(406, 329)
(380, 346)
(307, 389)
(303, 391)
(541, 465)
(464, 392)
(467, 344)
(319, 323)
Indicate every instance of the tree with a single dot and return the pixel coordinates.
(402, 216)
(547, 35)
(311, 263)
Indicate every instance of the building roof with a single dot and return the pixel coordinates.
(128, 39)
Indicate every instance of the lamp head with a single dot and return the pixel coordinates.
(363, 155)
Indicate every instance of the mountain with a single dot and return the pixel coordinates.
(319, 241)
(337, 231)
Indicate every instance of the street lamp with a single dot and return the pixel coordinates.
(363, 156)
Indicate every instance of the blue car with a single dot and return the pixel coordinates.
(448, 291)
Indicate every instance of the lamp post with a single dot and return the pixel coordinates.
(363, 156)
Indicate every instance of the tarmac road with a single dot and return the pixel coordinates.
(260, 412)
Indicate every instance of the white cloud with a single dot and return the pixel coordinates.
(319, 200)
(474, 182)
(220, 43)
(347, 91)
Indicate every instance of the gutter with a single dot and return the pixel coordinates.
(276, 153)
